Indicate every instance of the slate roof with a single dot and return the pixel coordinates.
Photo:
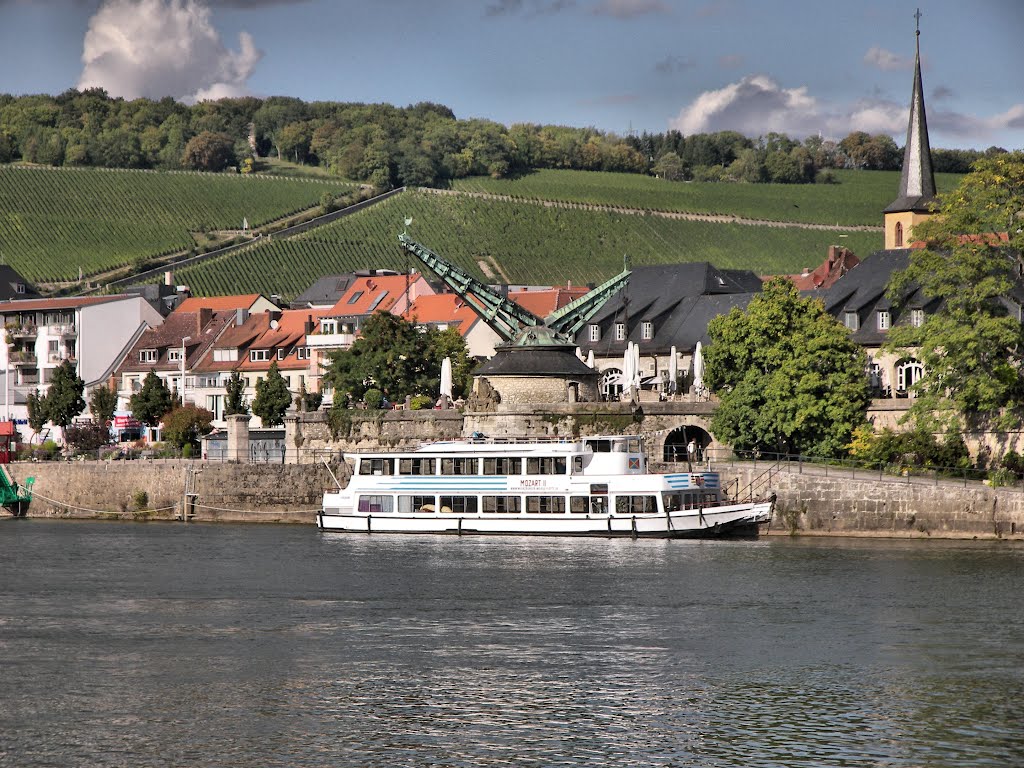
(10, 281)
(325, 292)
(677, 299)
(536, 361)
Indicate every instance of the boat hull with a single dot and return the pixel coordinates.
(726, 520)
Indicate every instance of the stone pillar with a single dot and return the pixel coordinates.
(238, 437)
(293, 439)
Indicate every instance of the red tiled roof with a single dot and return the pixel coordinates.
(364, 291)
(65, 302)
(168, 335)
(290, 331)
(443, 308)
(218, 303)
(544, 301)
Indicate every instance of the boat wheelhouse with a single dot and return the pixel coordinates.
(590, 486)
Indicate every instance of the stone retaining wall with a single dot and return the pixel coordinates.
(819, 501)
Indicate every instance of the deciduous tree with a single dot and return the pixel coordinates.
(152, 401)
(186, 424)
(103, 403)
(64, 399)
(972, 347)
(788, 375)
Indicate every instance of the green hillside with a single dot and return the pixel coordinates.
(857, 197)
(54, 222)
(531, 243)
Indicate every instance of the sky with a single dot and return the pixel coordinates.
(800, 67)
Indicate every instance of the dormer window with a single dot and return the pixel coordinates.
(647, 330)
(302, 353)
(259, 355)
(19, 287)
(173, 355)
(851, 321)
(883, 319)
(282, 354)
(148, 355)
(917, 317)
(620, 331)
(594, 332)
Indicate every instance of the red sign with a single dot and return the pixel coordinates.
(126, 422)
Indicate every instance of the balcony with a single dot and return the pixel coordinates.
(22, 357)
(60, 357)
(62, 330)
(21, 331)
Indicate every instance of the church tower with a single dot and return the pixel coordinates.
(917, 181)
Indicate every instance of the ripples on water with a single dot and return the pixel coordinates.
(159, 645)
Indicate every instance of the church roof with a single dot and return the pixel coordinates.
(917, 180)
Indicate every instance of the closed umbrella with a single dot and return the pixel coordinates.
(590, 359)
(636, 366)
(698, 368)
(673, 371)
(446, 378)
(627, 368)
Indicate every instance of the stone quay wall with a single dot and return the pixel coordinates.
(816, 500)
(159, 490)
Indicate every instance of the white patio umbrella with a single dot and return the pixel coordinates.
(446, 378)
(627, 368)
(636, 366)
(698, 368)
(673, 371)
(590, 359)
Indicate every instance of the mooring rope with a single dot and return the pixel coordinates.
(37, 495)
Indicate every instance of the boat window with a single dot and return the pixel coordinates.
(458, 505)
(709, 498)
(600, 446)
(577, 464)
(672, 501)
(409, 504)
(370, 466)
(503, 465)
(579, 505)
(636, 505)
(633, 445)
(376, 505)
(416, 466)
(545, 504)
(545, 465)
(461, 465)
(599, 505)
(501, 504)
(599, 488)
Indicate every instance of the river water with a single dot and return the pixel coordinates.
(126, 644)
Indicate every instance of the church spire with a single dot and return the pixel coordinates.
(917, 181)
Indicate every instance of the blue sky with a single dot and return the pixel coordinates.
(797, 66)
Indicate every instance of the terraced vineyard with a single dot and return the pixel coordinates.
(532, 243)
(54, 222)
(857, 198)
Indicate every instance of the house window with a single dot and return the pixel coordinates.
(302, 353)
(328, 326)
(173, 355)
(355, 297)
(883, 320)
(19, 288)
(595, 332)
(147, 355)
(620, 331)
(917, 317)
(259, 355)
(282, 354)
(225, 355)
(851, 320)
(647, 330)
(908, 373)
(899, 235)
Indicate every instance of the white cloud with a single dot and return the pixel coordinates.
(757, 104)
(887, 61)
(158, 48)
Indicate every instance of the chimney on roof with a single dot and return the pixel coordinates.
(568, 285)
(308, 327)
(241, 315)
(203, 318)
(168, 277)
(806, 272)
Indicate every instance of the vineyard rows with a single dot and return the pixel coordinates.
(857, 199)
(54, 222)
(533, 244)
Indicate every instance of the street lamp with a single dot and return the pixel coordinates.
(186, 338)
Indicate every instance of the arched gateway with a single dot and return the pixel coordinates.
(676, 442)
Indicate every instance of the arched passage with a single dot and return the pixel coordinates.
(676, 442)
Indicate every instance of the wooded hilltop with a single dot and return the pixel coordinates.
(419, 145)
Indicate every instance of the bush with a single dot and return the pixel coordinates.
(373, 398)
(917, 448)
(140, 499)
(86, 438)
(419, 402)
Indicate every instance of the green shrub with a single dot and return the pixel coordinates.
(140, 499)
(419, 402)
(373, 398)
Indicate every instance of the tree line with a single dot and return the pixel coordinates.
(387, 146)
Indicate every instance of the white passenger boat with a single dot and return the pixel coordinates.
(591, 486)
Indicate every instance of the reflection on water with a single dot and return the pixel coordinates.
(152, 645)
